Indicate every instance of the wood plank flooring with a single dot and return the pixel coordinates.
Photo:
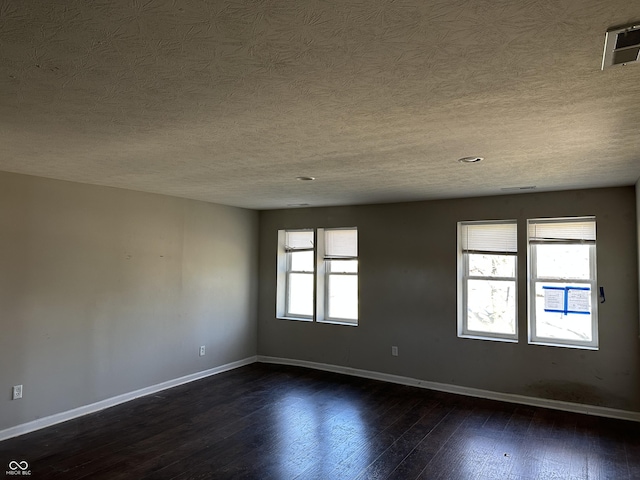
(279, 422)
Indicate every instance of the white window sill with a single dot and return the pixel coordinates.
(339, 322)
(299, 319)
(488, 338)
(563, 345)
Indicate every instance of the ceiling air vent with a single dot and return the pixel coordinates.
(621, 46)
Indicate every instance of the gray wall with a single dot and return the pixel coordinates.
(408, 299)
(106, 291)
(638, 227)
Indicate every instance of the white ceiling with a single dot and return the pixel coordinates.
(228, 101)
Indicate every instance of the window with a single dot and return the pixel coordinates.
(487, 287)
(299, 267)
(562, 282)
(341, 275)
(318, 275)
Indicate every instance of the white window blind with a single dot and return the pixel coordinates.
(299, 240)
(489, 237)
(581, 229)
(341, 243)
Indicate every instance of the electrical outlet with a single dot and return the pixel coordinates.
(394, 351)
(17, 392)
(202, 350)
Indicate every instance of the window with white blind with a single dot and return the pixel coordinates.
(299, 263)
(487, 280)
(318, 275)
(341, 275)
(562, 282)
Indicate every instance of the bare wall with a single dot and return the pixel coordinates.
(106, 291)
(408, 299)
(638, 229)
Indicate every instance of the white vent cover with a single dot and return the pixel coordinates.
(621, 46)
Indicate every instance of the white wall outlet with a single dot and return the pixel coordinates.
(394, 351)
(202, 350)
(17, 392)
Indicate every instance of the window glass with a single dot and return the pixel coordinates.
(483, 265)
(343, 297)
(342, 266)
(491, 306)
(562, 261)
(300, 294)
(302, 261)
(558, 325)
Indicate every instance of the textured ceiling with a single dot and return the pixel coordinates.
(229, 101)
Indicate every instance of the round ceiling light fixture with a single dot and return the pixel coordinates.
(305, 179)
(470, 159)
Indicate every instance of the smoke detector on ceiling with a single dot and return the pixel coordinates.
(621, 46)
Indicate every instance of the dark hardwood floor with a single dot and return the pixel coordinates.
(278, 422)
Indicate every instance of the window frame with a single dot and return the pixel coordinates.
(324, 277)
(321, 277)
(464, 276)
(284, 273)
(533, 279)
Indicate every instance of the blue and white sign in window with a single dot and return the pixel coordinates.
(567, 300)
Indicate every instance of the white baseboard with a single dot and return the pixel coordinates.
(385, 377)
(113, 401)
(472, 392)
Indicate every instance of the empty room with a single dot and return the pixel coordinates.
(321, 239)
